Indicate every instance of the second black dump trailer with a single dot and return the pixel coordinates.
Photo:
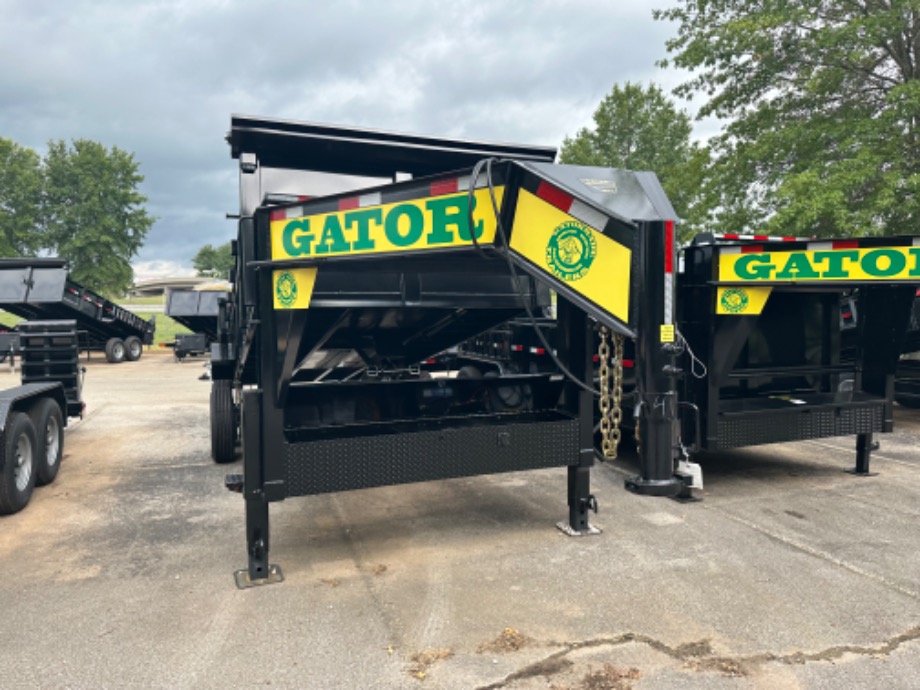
(41, 289)
(197, 310)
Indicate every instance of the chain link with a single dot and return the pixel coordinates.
(611, 400)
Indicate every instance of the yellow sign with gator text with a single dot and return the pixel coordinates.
(419, 224)
(856, 264)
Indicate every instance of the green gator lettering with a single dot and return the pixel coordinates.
(835, 261)
(754, 267)
(446, 212)
(362, 220)
(297, 238)
(409, 235)
(897, 262)
(797, 267)
(333, 239)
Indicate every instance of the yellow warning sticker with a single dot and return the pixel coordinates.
(667, 333)
(293, 287)
(742, 301)
(573, 254)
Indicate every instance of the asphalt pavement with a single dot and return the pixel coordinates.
(790, 573)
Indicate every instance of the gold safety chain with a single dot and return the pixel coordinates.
(611, 392)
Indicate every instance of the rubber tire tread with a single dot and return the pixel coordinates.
(129, 342)
(11, 500)
(223, 427)
(110, 351)
(43, 409)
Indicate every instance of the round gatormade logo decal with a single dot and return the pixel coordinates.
(734, 300)
(570, 251)
(286, 289)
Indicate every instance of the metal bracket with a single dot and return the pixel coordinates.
(243, 581)
(568, 531)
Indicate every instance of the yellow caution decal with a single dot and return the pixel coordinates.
(576, 255)
(428, 223)
(741, 301)
(850, 264)
(293, 287)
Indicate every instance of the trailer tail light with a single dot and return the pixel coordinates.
(752, 249)
(845, 244)
(517, 348)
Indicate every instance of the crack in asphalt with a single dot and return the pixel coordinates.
(822, 555)
(699, 655)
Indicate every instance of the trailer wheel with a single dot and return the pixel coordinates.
(17, 463)
(115, 350)
(49, 436)
(223, 422)
(134, 348)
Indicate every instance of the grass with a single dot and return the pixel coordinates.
(166, 328)
(156, 299)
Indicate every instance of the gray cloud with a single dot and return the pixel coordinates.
(161, 78)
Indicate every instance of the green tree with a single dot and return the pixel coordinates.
(822, 99)
(94, 214)
(20, 200)
(640, 128)
(214, 262)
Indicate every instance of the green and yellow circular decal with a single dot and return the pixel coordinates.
(570, 251)
(734, 300)
(286, 289)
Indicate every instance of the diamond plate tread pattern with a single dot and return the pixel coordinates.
(326, 466)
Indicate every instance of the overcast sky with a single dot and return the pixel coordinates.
(160, 78)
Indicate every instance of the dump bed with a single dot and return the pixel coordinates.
(40, 289)
(197, 310)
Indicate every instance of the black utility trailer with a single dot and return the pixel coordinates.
(34, 414)
(197, 310)
(40, 289)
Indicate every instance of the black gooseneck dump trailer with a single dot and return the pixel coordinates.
(197, 310)
(40, 289)
(338, 298)
(393, 248)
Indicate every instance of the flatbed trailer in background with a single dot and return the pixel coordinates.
(40, 289)
(345, 294)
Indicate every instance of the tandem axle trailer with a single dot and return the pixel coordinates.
(396, 247)
(33, 415)
(41, 289)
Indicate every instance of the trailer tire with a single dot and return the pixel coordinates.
(17, 463)
(49, 436)
(134, 348)
(223, 422)
(115, 350)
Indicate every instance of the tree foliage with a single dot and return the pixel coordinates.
(214, 262)
(20, 199)
(94, 215)
(822, 99)
(640, 128)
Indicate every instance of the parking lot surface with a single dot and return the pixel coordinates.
(790, 573)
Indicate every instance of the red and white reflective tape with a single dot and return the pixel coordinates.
(809, 245)
(669, 255)
(566, 203)
(759, 238)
